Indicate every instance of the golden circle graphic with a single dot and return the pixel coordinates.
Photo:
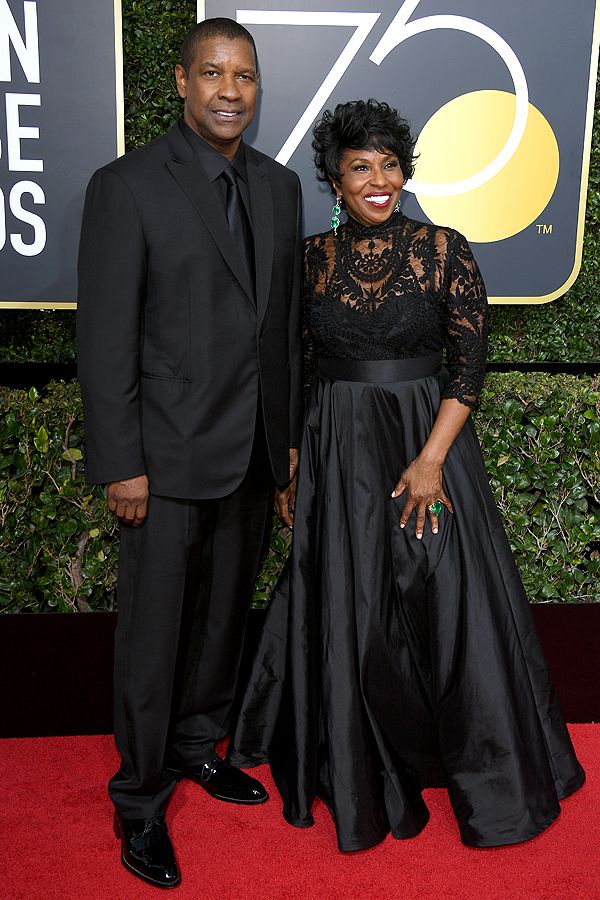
(460, 139)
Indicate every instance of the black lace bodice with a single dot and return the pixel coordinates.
(396, 290)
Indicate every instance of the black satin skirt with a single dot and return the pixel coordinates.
(388, 664)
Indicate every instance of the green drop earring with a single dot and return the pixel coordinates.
(335, 214)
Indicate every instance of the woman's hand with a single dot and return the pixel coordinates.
(422, 482)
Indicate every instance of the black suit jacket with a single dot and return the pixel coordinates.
(172, 347)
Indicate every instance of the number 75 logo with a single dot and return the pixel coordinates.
(489, 160)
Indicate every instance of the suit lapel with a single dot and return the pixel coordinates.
(194, 182)
(261, 204)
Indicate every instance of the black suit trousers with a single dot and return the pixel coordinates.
(185, 580)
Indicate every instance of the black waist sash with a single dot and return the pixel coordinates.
(379, 370)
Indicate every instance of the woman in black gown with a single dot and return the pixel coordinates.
(399, 650)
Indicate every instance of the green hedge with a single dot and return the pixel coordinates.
(152, 33)
(58, 548)
(541, 437)
(541, 441)
(566, 330)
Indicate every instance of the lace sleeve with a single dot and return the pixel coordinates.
(466, 326)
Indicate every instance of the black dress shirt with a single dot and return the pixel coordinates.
(214, 164)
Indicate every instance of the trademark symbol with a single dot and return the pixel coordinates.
(544, 229)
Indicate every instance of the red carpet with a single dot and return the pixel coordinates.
(57, 841)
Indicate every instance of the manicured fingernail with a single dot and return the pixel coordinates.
(393, 493)
(401, 525)
(419, 535)
(435, 531)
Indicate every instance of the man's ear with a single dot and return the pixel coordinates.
(181, 81)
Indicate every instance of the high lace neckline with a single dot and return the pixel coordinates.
(381, 230)
(396, 290)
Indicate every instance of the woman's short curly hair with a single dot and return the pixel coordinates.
(361, 125)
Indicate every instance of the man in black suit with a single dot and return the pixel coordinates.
(189, 362)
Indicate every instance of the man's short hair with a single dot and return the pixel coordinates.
(212, 28)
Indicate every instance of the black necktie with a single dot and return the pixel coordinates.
(239, 223)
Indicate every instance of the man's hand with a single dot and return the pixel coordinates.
(285, 499)
(129, 500)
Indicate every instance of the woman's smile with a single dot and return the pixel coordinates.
(370, 184)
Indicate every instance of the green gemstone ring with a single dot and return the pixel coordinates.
(436, 507)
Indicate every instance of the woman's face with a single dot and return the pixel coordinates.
(370, 184)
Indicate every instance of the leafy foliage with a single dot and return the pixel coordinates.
(40, 336)
(542, 453)
(152, 34)
(57, 550)
(279, 548)
(541, 438)
(566, 330)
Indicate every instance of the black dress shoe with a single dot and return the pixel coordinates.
(223, 781)
(147, 851)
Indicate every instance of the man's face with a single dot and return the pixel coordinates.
(220, 91)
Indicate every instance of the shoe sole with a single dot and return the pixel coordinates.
(146, 878)
(230, 799)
